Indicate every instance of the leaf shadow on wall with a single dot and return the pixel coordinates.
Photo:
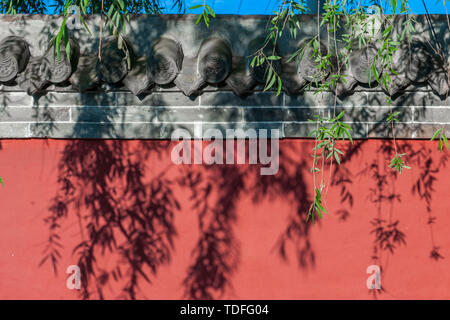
(386, 230)
(121, 212)
(216, 254)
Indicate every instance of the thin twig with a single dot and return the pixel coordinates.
(101, 32)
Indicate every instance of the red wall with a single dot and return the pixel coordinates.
(245, 218)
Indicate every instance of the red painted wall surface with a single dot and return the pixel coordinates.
(255, 241)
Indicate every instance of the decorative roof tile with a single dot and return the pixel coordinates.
(157, 58)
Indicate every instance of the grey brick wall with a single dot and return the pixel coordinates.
(58, 110)
(122, 115)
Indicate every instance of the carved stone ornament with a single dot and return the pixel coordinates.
(188, 80)
(35, 76)
(244, 76)
(214, 65)
(14, 56)
(112, 67)
(85, 77)
(258, 73)
(298, 72)
(214, 60)
(439, 79)
(165, 60)
(61, 69)
(139, 78)
(307, 67)
(416, 62)
(360, 69)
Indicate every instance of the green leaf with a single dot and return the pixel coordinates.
(337, 158)
(196, 7)
(210, 10)
(118, 17)
(438, 131)
(199, 19)
(271, 83)
(392, 116)
(58, 39)
(346, 126)
(66, 43)
(279, 86)
(86, 26)
(318, 212)
(269, 75)
(252, 64)
(349, 136)
(110, 11)
(445, 141)
(375, 73)
(84, 4)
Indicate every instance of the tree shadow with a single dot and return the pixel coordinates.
(216, 255)
(118, 210)
(386, 227)
(424, 187)
(123, 212)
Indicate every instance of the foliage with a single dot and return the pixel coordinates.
(207, 11)
(91, 6)
(442, 139)
(327, 133)
(316, 207)
(328, 136)
(359, 31)
(397, 163)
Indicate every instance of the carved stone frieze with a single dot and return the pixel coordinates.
(214, 64)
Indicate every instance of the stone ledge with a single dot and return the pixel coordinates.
(122, 115)
(27, 114)
(151, 114)
(302, 130)
(163, 130)
(128, 130)
(220, 99)
(406, 130)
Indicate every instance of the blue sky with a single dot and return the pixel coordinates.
(267, 6)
